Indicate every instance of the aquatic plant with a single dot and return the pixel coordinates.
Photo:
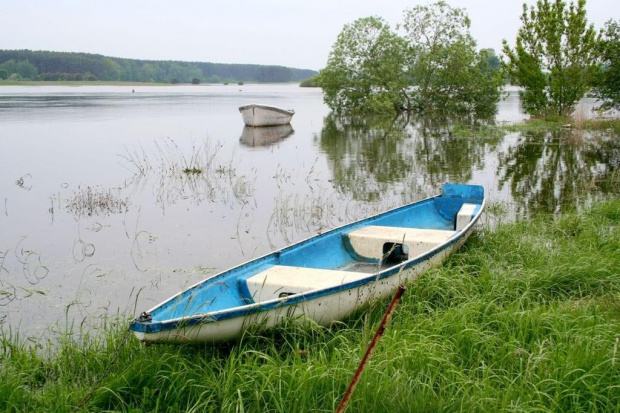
(96, 201)
(199, 172)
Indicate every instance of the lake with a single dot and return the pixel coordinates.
(112, 198)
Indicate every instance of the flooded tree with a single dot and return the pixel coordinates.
(449, 74)
(364, 72)
(432, 67)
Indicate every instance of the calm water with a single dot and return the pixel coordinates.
(98, 218)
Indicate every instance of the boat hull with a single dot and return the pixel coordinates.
(264, 115)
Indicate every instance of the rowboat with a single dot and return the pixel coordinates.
(265, 115)
(323, 278)
(265, 136)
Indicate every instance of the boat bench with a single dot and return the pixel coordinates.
(465, 214)
(373, 242)
(281, 280)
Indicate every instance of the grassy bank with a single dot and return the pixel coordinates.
(525, 318)
(557, 123)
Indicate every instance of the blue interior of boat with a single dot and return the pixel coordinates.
(326, 251)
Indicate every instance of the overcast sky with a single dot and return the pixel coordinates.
(294, 33)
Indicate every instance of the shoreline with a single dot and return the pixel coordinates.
(491, 329)
(120, 83)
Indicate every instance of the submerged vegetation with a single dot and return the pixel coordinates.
(96, 201)
(525, 318)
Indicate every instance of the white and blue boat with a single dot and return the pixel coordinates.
(324, 278)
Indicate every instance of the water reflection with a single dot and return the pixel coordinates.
(372, 158)
(366, 154)
(552, 171)
(265, 136)
(369, 155)
(448, 154)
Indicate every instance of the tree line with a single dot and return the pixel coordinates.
(46, 65)
(429, 63)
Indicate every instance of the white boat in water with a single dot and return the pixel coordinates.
(265, 115)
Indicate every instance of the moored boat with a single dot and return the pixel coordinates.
(265, 115)
(324, 278)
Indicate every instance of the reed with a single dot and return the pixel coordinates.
(606, 125)
(93, 201)
(198, 172)
(525, 317)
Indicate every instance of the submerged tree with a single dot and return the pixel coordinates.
(607, 83)
(434, 66)
(364, 72)
(449, 74)
(554, 57)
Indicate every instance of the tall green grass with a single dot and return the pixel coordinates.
(526, 317)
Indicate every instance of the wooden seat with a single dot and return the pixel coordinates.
(465, 214)
(281, 280)
(369, 242)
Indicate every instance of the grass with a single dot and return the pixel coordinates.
(526, 317)
(551, 123)
(546, 124)
(607, 125)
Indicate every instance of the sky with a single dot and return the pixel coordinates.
(293, 33)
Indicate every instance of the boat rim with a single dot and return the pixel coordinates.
(269, 107)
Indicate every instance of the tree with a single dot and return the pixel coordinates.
(492, 59)
(434, 66)
(554, 57)
(365, 69)
(607, 82)
(22, 68)
(449, 74)
(113, 70)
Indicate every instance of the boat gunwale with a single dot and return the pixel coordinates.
(252, 308)
(267, 107)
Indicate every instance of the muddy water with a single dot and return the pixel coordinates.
(114, 198)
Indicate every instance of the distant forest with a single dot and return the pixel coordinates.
(43, 65)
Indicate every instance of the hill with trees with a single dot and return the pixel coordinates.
(46, 65)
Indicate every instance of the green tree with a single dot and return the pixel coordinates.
(449, 74)
(365, 69)
(607, 82)
(23, 69)
(113, 70)
(492, 59)
(554, 58)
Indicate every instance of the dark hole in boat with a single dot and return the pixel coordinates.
(394, 253)
(282, 295)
